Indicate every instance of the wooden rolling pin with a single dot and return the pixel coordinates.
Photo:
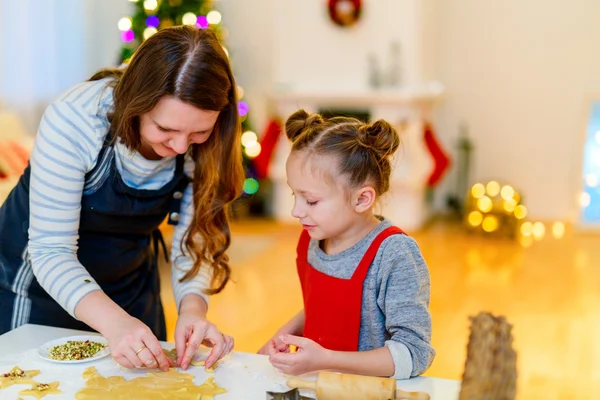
(336, 386)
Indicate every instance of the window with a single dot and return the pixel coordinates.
(589, 199)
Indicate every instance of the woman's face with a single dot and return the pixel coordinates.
(172, 125)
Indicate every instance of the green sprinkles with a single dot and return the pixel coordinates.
(75, 350)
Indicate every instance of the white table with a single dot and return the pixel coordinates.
(244, 375)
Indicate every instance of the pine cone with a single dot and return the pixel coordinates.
(491, 366)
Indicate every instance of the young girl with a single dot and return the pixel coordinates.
(113, 157)
(364, 281)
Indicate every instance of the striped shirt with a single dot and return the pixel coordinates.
(69, 140)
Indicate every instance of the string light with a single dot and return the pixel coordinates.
(213, 17)
(124, 24)
(485, 204)
(189, 18)
(149, 32)
(558, 230)
(248, 138)
(495, 208)
(517, 197)
(585, 199)
(520, 211)
(475, 218)
(510, 205)
(591, 180)
(152, 21)
(478, 190)
(201, 22)
(492, 188)
(253, 149)
(150, 5)
(490, 223)
(127, 36)
(526, 228)
(507, 192)
(243, 108)
(538, 230)
(251, 186)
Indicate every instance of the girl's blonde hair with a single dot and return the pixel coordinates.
(363, 151)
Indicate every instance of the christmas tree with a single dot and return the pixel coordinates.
(152, 15)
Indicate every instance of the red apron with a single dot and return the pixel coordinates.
(332, 306)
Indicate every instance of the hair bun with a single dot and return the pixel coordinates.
(380, 137)
(299, 121)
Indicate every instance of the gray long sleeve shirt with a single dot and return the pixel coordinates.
(395, 298)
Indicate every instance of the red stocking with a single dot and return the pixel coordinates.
(440, 159)
(267, 144)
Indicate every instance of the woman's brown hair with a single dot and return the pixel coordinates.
(363, 151)
(190, 65)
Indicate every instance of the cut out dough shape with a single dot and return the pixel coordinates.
(171, 354)
(40, 390)
(201, 364)
(17, 376)
(88, 372)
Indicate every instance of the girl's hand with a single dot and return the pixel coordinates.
(191, 331)
(133, 345)
(279, 345)
(309, 356)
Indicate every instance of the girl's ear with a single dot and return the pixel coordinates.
(364, 198)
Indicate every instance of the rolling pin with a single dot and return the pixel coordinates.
(336, 386)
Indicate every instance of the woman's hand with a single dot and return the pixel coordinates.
(133, 345)
(192, 330)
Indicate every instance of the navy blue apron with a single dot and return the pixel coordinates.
(118, 245)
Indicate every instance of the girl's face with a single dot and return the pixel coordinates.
(172, 125)
(322, 202)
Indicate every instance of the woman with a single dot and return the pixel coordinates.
(112, 158)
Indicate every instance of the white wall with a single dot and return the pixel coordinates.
(250, 44)
(104, 39)
(314, 53)
(293, 45)
(48, 46)
(520, 73)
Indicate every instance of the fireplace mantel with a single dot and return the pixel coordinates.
(416, 96)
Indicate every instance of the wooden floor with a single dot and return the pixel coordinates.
(549, 291)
